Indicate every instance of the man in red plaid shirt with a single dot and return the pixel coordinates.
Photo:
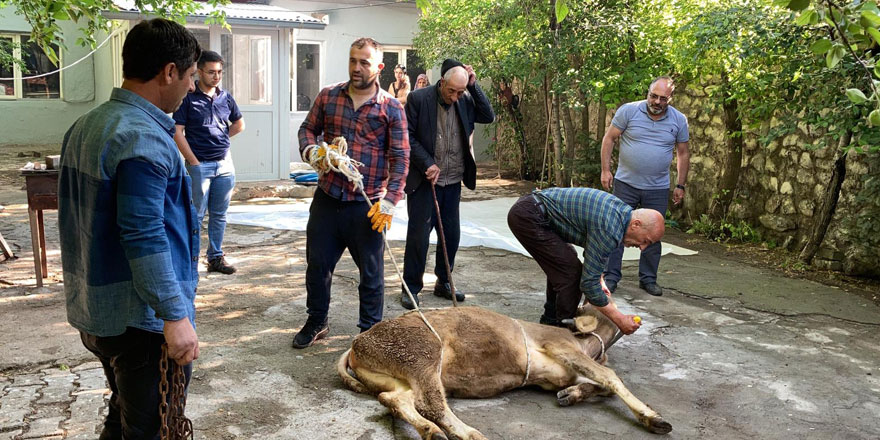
(373, 124)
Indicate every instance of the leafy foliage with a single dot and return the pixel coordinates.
(847, 36)
(725, 230)
(46, 17)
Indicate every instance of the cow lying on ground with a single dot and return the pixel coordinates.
(483, 354)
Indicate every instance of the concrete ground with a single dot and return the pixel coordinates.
(730, 351)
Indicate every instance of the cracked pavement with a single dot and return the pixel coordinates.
(730, 351)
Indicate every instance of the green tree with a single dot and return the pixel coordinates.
(749, 50)
(45, 17)
(565, 54)
(846, 35)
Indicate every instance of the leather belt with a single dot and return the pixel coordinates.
(540, 205)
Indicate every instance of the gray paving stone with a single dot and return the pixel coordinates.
(86, 436)
(88, 366)
(49, 427)
(10, 435)
(58, 389)
(89, 381)
(86, 408)
(46, 412)
(27, 380)
(16, 404)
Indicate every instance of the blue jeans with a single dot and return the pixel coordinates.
(649, 261)
(334, 226)
(212, 184)
(423, 219)
(131, 364)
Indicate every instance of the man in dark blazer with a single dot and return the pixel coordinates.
(440, 120)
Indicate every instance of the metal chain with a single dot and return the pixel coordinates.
(163, 392)
(175, 424)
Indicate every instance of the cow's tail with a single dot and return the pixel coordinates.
(347, 377)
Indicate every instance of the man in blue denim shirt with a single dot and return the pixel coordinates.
(204, 122)
(129, 239)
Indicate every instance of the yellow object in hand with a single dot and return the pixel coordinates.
(637, 319)
(380, 215)
(318, 157)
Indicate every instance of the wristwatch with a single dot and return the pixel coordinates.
(680, 186)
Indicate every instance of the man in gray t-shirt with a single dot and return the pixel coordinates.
(648, 131)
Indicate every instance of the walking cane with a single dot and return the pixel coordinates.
(442, 239)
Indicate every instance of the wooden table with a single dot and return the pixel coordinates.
(42, 193)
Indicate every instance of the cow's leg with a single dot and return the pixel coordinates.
(402, 405)
(579, 393)
(430, 401)
(587, 367)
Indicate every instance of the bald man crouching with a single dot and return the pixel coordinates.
(548, 222)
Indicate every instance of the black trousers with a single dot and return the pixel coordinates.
(422, 220)
(558, 259)
(131, 364)
(333, 227)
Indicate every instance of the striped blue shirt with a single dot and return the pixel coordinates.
(129, 240)
(593, 219)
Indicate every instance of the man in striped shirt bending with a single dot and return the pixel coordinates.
(548, 222)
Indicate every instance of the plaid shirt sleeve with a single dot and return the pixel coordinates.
(598, 247)
(398, 151)
(314, 123)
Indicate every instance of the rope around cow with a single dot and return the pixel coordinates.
(334, 157)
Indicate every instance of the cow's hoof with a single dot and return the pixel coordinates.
(566, 398)
(659, 426)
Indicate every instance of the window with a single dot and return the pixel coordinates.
(248, 69)
(307, 72)
(23, 81)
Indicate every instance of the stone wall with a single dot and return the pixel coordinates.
(780, 188)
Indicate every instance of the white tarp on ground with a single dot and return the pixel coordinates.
(483, 223)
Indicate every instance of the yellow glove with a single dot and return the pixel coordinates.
(380, 214)
(317, 156)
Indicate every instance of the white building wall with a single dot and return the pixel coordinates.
(393, 25)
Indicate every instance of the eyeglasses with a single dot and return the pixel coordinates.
(659, 98)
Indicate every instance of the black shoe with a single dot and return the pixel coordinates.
(405, 301)
(310, 332)
(651, 288)
(551, 321)
(219, 265)
(444, 291)
(612, 285)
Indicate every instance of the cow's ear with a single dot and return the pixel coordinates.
(586, 323)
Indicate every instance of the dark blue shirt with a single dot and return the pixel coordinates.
(206, 122)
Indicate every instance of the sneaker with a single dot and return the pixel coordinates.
(310, 332)
(443, 290)
(651, 288)
(405, 301)
(219, 264)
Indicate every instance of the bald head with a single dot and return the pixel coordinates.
(646, 227)
(456, 74)
(453, 84)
